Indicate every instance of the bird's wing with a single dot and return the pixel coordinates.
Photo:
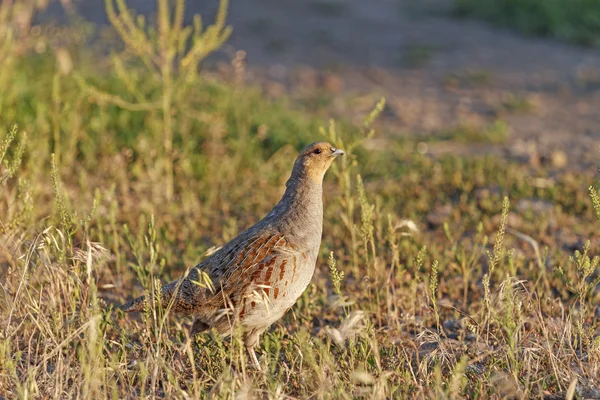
(249, 275)
(240, 267)
(225, 278)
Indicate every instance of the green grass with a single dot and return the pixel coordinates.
(434, 281)
(576, 21)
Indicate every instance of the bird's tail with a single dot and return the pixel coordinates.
(134, 305)
(139, 303)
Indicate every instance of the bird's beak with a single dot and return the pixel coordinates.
(337, 152)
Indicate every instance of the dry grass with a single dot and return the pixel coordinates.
(430, 284)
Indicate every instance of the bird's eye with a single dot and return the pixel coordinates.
(317, 151)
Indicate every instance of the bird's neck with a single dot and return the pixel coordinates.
(300, 211)
(303, 192)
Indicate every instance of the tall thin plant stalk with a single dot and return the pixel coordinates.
(171, 52)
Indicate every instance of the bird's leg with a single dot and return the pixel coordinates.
(250, 341)
(253, 357)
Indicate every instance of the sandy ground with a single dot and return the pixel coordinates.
(437, 72)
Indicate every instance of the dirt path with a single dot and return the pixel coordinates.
(436, 72)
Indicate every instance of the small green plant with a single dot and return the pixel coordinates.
(337, 276)
(582, 276)
(149, 265)
(67, 219)
(494, 258)
(16, 213)
(467, 259)
(9, 168)
(420, 258)
(582, 280)
(585, 267)
(510, 319)
(367, 211)
(433, 286)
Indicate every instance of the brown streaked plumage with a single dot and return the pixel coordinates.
(262, 272)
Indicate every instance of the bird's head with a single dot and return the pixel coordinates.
(315, 159)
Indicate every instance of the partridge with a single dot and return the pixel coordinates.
(255, 278)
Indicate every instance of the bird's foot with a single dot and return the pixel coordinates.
(253, 357)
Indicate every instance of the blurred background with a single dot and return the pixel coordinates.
(532, 66)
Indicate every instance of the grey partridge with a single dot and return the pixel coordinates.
(260, 274)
